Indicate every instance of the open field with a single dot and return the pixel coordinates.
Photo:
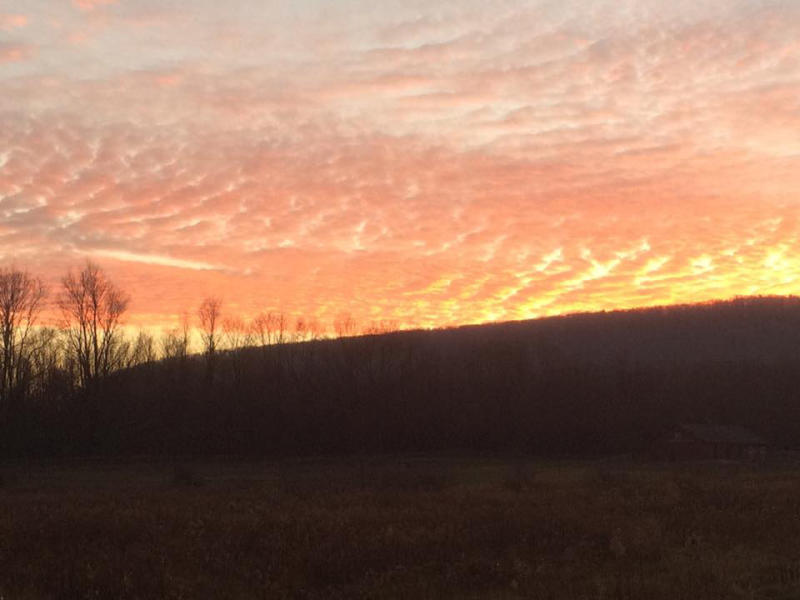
(411, 527)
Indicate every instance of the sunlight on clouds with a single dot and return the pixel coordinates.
(783, 270)
(556, 256)
(10, 22)
(431, 164)
(702, 264)
(149, 259)
(435, 288)
(89, 5)
(653, 265)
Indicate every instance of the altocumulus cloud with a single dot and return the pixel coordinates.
(422, 162)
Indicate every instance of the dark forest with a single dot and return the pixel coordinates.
(578, 385)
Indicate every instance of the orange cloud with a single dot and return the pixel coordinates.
(10, 52)
(9, 22)
(439, 167)
(89, 5)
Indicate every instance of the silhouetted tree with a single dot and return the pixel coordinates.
(269, 328)
(46, 357)
(582, 384)
(300, 330)
(92, 306)
(316, 330)
(142, 350)
(236, 333)
(21, 300)
(210, 313)
(380, 327)
(175, 342)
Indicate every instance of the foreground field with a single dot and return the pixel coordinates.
(400, 528)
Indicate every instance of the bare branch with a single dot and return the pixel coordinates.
(92, 307)
(21, 300)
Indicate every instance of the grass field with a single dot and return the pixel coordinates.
(400, 528)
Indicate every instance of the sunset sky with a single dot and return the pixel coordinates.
(425, 162)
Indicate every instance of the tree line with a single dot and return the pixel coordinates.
(85, 346)
(580, 385)
(87, 342)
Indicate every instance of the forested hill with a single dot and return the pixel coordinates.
(765, 329)
(575, 385)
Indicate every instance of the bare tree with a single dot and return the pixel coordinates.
(380, 327)
(316, 330)
(281, 328)
(345, 325)
(143, 349)
(210, 313)
(21, 300)
(269, 328)
(92, 307)
(46, 358)
(175, 342)
(237, 334)
(299, 333)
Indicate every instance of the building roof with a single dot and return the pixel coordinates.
(723, 434)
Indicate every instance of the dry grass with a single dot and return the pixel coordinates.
(401, 529)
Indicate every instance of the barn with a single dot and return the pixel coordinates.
(711, 442)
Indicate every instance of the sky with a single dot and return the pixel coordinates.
(426, 163)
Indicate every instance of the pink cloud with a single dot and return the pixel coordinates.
(90, 5)
(427, 170)
(11, 52)
(9, 22)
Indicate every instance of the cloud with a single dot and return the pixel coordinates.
(9, 22)
(12, 52)
(151, 259)
(90, 5)
(434, 165)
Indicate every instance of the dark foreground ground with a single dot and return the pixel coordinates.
(400, 528)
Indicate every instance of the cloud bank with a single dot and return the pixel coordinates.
(426, 163)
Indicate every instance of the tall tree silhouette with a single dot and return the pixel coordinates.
(21, 300)
(175, 342)
(92, 306)
(210, 313)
